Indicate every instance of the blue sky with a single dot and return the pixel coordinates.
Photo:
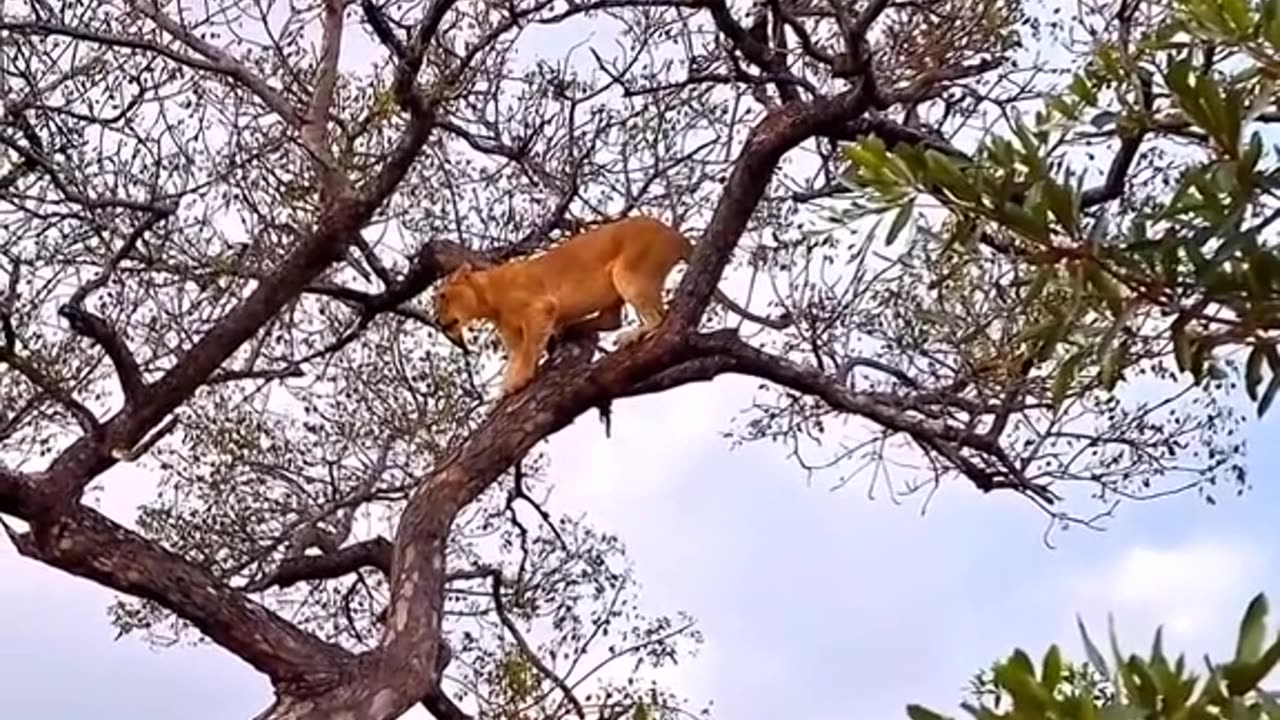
(801, 592)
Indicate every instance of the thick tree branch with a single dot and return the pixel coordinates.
(315, 122)
(85, 543)
(374, 553)
(443, 708)
(228, 376)
(1113, 186)
(89, 456)
(16, 489)
(97, 329)
(780, 131)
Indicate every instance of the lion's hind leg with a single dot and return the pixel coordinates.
(643, 291)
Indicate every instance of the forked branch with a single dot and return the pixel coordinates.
(96, 328)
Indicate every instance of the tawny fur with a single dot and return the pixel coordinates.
(584, 280)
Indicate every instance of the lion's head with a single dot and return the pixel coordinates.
(457, 303)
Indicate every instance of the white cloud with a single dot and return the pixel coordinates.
(1196, 589)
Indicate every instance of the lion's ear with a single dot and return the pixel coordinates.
(464, 269)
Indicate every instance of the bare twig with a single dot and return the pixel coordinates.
(504, 617)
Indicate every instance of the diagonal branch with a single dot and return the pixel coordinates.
(86, 543)
(724, 352)
(97, 329)
(779, 132)
(16, 492)
(374, 553)
(88, 456)
(409, 56)
(315, 122)
(221, 62)
(54, 29)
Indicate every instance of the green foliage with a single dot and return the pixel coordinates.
(1129, 686)
(1193, 259)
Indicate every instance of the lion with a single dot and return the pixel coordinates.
(582, 282)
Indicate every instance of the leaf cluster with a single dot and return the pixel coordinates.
(1132, 686)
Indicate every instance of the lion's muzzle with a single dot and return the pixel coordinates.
(453, 330)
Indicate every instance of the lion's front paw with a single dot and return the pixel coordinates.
(513, 384)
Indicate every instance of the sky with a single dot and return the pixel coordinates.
(801, 592)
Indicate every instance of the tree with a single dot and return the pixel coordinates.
(217, 221)
(1133, 687)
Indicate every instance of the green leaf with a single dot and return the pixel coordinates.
(1091, 651)
(900, 220)
(1182, 342)
(1249, 675)
(1253, 372)
(1253, 626)
(944, 171)
(1062, 204)
(1106, 287)
(1052, 672)
(1065, 378)
(866, 155)
(1238, 12)
(1109, 372)
(1148, 687)
(1268, 395)
(1271, 22)
(1113, 640)
(1021, 662)
(1169, 264)
(1083, 89)
(1017, 676)
(1200, 357)
(1178, 78)
(1216, 106)
(1024, 222)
